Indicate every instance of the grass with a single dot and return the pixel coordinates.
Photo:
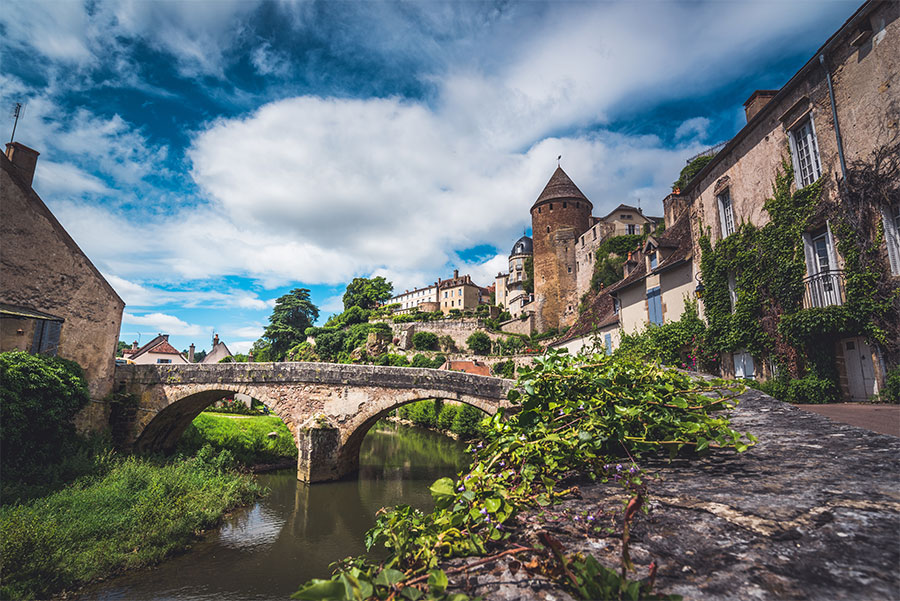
(134, 514)
(245, 437)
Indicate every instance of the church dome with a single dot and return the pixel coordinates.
(523, 246)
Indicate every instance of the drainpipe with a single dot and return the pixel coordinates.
(837, 127)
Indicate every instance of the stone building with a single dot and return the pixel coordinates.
(52, 298)
(218, 351)
(559, 216)
(157, 350)
(421, 299)
(511, 294)
(460, 293)
(842, 105)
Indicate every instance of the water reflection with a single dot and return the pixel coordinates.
(267, 550)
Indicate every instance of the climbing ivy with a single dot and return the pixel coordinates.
(766, 267)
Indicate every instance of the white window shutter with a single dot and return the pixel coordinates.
(892, 240)
(832, 255)
(811, 264)
(721, 216)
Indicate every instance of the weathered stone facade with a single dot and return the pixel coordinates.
(327, 407)
(43, 269)
(558, 217)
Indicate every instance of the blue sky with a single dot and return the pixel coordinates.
(210, 156)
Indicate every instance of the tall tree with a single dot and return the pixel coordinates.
(367, 293)
(293, 313)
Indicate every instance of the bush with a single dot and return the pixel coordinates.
(39, 397)
(677, 343)
(446, 416)
(421, 413)
(479, 343)
(447, 343)
(504, 369)
(246, 440)
(467, 421)
(425, 341)
(689, 171)
(391, 359)
(812, 389)
(891, 392)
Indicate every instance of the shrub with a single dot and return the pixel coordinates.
(479, 343)
(39, 397)
(504, 369)
(447, 343)
(391, 360)
(425, 341)
(812, 389)
(467, 421)
(421, 413)
(689, 171)
(891, 392)
(446, 416)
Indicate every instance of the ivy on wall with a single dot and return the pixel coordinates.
(766, 266)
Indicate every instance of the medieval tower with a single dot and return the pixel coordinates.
(558, 217)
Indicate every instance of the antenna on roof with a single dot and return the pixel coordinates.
(558, 159)
(16, 112)
(639, 204)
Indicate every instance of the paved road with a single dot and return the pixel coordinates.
(884, 419)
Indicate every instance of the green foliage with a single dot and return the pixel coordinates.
(133, 513)
(233, 407)
(577, 415)
(421, 413)
(459, 418)
(479, 343)
(292, 315)
(528, 282)
(392, 360)
(620, 245)
(367, 293)
(39, 398)
(509, 345)
(246, 439)
(504, 369)
(425, 341)
(690, 170)
(607, 271)
(467, 421)
(122, 345)
(677, 343)
(421, 360)
(353, 315)
(891, 391)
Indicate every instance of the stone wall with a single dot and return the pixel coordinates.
(458, 329)
(519, 325)
(42, 268)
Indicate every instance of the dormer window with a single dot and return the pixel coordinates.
(653, 260)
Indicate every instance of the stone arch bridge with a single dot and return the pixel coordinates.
(328, 407)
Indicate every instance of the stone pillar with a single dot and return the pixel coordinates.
(319, 445)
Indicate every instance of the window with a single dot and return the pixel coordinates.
(616, 305)
(805, 153)
(630, 229)
(539, 209)
(569, 267)
(459, 292)
(564, 205)
(892, 236)
(445, 294)
(595, 232)
(551, 206)
(654, 306)
(548, 229)
(607, 340)
(653, 261)
(726, 213)
(743, 365)
(46, 337)
(824, 282)
(626, 216)
(163, 360)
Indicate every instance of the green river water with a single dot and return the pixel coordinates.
(267, 550)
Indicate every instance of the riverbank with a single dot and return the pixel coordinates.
(135, 513)
(259, 440)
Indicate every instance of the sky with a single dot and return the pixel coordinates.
(210, 156)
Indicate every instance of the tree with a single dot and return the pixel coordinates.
(424, 341)
(367, 293)
(479, 343)
(293, 313)
(121, 347)
(690, 170)
(528, 282)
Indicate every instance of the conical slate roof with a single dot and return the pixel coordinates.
(561, 187)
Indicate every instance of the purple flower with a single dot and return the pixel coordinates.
(632, 470)
(502, 464)
(590, 518)
(467, 476)
(461, 488)
(618, 467)
(487, 519)
(576, 518)
(499, 526)
(480, 445)
(561, 412)
(483, 511)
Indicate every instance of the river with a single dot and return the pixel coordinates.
(267, 550)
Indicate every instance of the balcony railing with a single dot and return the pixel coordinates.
(824, 289)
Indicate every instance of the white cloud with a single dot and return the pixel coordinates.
(163, 323)
(65, 179)
(695, 127)
(241, 346)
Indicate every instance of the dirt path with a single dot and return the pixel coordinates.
(884, 419)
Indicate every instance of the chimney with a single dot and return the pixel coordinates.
(215, 340)
(455, 273)
(191, 353)
(134, 345)
(250, 356)
(24, 159)
(757, 101)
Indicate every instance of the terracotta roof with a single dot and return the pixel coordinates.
(562, 187)
(470, 367)
(160, 344)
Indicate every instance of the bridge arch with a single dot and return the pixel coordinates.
(163, 430)
(355, 431)
(327, 407)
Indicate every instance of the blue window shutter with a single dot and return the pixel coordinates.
(38, 336)
(608, 340)
(52, 339)
(654, 306)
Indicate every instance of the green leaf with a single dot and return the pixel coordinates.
(389, 577)
(702, 444)
(437, 581)
(492, 505)
(320, 590)
(442, 488)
